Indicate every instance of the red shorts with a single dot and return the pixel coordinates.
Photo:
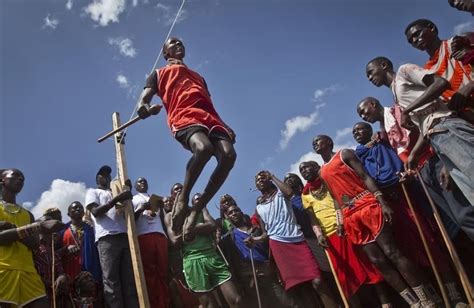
(363, 221)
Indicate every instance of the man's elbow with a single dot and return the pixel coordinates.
(442, 84)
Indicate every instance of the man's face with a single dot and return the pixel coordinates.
(421, 36)
(262, 182)
(293, 180)
(376, 74)
(308, 171)
(177, 188)
(322, 144)
(228, 201)
(168, 204)
(76, 210)
(367, 110)
(174, 48)
(234, 214)
(141, 185)
(13, 180)
(362, 133)
(104, 180)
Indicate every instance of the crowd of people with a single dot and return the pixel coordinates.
(360, 232)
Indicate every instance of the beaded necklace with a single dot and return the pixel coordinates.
(10, 207)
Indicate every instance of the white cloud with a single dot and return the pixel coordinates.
(320, 93)
(123, 81)
(341, 133)
(69, 4)
(50, 22)
(294, 168)
(167, 17)
(61, 194)
(124, 45)
(295, 125)
(464, 27)
(105, 11)
(135, 2)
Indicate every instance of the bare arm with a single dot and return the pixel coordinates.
(436, 86)
(351, 159)
(282, 186)
(99, 210)
(415, 153)
(208, 226)
(175, 239)
(262, 237)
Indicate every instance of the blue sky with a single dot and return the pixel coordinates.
(279, 72)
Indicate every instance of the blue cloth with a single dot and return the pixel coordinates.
(381, 162)
(259, 251)
(301, 217)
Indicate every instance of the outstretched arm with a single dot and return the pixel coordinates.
(282, 186)
(175, 239)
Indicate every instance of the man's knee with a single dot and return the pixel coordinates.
(203, 151)
(316, 283)
(228, 157)
(393, 253)
(236, 300)
(379, 260)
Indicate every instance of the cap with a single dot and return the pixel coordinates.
(104, 170)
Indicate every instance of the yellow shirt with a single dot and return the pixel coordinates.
(323, 210)
(16, 256)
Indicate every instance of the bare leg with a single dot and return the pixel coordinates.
(230, 293)
(207, 300)
(202, 150)
(324, 293)
(405, 267)
(382, 293)
(226, 156)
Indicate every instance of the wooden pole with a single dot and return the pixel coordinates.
(129, 218)
(427, 248)
(255, 279)
(449, 245)
(338, 283)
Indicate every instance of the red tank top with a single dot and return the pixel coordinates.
(186, 99)
(341, 179)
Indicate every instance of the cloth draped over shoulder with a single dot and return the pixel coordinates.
(443, 64)
(381, 163)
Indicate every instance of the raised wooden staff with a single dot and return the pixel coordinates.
(127, 208)
(153, 110)
(449, 245)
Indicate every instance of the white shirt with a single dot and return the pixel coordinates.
(111, 222)
(407, 86)
(146, 223)
(279, 219)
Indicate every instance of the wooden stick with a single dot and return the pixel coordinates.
(338, 283)
(449, 245)
(427, 248)
(130, 220)
(255, 279)
(52, 271)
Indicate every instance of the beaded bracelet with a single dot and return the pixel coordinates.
(317, 230)
(339, 219)
(28, 230)
(377, 194)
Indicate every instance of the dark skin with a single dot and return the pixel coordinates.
(12, 181)
(268, 184)
(383, 253)
(208, 227)
(76, 212)
(141, 186)
(462, 5)
(103, 182)
(202, 149)
(362, 133)
(424, 37)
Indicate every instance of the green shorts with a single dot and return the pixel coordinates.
(206, 273)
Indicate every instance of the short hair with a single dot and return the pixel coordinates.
(421, 22)
(163, 49)
(381, 59)
(367, 125)
(51, 210)
(326, 137)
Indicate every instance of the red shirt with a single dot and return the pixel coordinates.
(186, 99)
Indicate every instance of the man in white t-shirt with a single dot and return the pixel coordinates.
(418, 93)
(112, 242)
(153, 246)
